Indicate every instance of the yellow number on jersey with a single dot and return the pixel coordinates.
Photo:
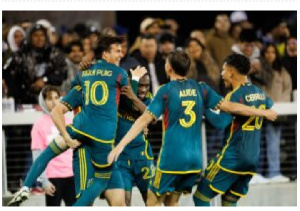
(91, 93)
(258, 121)
(188, 111)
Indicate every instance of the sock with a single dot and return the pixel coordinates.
(226, 203)
(40, 164)
(200, 200)
(89, 195)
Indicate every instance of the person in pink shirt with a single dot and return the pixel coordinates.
(58, 178)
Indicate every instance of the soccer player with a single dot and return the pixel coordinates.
(230, 172)
(95, 125)
(136, 161)
(182, 102)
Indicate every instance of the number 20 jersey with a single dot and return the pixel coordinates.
(182, 104)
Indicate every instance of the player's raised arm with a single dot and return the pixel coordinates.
(136, 128)
(240, 109)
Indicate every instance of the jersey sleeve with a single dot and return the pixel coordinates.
(73, 98)
(218, 119)
(124, 78)
(156, 107)
(211, 98)
(269, 103)
(148, 99)
(75, 81)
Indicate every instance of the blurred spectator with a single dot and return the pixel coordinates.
(15, 38)
(58, 178)
(219, 42)
(26, 24)
(279, 35)
(147, 26)
(87, 45)
(204, 68)
(108, 31)
(94, 36)
(174, 26)
(66, 38)
(199, 35)
(239, 21)
(127, 62)
(247, 47)
(37, 63)
(167, 44)
(74, 56)
(149, 57)
(290, 60)
(278, 88)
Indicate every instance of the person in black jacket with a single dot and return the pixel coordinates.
(149, 57)
(36, 64)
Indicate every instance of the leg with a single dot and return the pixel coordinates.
(273, 135)
(115, 197)
(55, 148)
(128, 195)
(69, 191)
(204, 194)
(154, 200)
(172, 199)
(229, 200)
(57, 198)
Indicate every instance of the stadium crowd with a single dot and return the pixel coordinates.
(38, 54)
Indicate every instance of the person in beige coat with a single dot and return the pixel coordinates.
(275, 80)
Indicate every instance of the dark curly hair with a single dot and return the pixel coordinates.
(180, 62)
(240, 62)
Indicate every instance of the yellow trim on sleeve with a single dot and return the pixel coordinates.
(216, 190)
(237, 194)
(153, 115)
(67, 105)
(91, 137)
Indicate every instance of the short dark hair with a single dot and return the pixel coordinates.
(148, 37)
(68, 49)
(240, 62)
(48, 88)
(248, 35)
(180, 62)
(167, 37)
(105, 43)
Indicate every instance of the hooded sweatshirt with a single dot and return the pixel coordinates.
(11, 38)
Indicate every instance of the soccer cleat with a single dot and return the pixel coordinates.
(19, 197)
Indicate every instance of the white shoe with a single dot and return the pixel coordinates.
(279, 179)
(259, 179)
(19, 197)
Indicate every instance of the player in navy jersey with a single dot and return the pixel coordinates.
(230, 172)
(182, 102)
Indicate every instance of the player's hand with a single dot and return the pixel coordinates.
(86, 62)
(146, 131)
(72, 143)
(50, 189)
(114, 154)
(270, 115)
(128, 92)
(138, 72)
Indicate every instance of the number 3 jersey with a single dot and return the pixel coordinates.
(241, 145)
(182, 104)
(100, 85)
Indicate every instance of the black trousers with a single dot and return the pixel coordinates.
(65, 190)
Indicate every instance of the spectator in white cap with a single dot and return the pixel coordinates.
(148, 26)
